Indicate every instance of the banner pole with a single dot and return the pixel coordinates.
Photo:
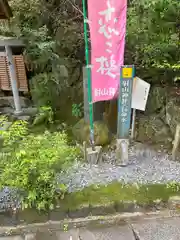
(88, 74)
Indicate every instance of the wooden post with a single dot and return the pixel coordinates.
(133, 123)
(124, 113)
(94, 155)
(176, 142)
(122, 146)
(85, 88)
(13, 80)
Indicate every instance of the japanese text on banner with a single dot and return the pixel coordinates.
(107, 30)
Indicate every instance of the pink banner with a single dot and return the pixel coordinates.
(107, 20)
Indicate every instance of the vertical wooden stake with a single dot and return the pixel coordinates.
(176, 142)
(133, 123)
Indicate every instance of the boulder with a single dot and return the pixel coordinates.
(24, 118)
(172, 113)
(8, 101)
(152, 129)
(81, 132)
(156, 100)
(30, 111)
(6, 111)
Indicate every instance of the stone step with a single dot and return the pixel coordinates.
(155, 229)
(113, 233)
(158, 229)
(12, 238)
(87, 235)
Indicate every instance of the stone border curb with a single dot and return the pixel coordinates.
(94, 221)
(13, 219)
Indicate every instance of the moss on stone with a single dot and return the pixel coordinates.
(81, 132)
(156, 99)
(117, 193)
(153, 129)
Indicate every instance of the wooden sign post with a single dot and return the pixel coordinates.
(124, 113)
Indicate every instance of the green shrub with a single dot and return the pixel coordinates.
(77, 110)
(45, 116)
(31, 166)
(46, 88)
(14, 134)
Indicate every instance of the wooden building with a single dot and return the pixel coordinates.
(17, 47)
(12, 68)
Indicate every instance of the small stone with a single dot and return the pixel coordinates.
(30, 236)
(157, 201)
(174, 202)
(24, 118)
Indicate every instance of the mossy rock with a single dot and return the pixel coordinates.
(8, 101)
(156, 100)
(172, 114)
(81, 132)
(152, 129)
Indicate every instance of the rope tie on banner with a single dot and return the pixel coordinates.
(87, 21)
(89, 66)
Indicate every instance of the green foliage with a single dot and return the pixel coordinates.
(77, 110)
(175, 68)
(44, 116)
(40, 50)
(153, 37)
(32, 164)
(118, 194)
(32, 23)
(15, 133)
(46, 88)
(3, 120)
(174, 186)
(53, 33)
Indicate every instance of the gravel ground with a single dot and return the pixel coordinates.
(145, 166)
